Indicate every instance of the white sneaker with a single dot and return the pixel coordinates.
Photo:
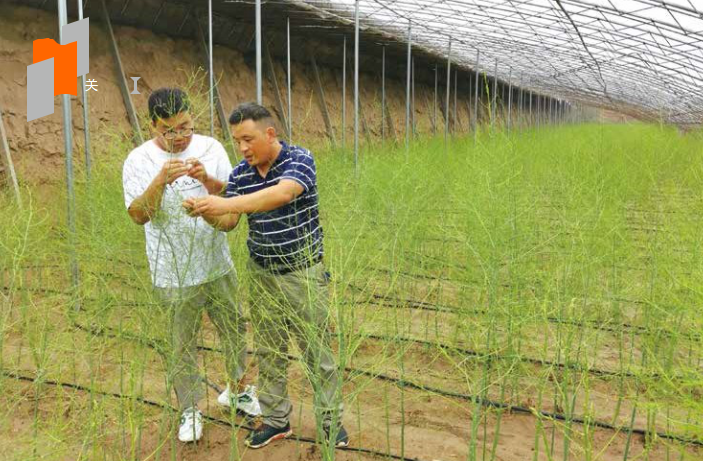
(246, 402)
(191, 425)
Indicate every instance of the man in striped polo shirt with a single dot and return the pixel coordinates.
(276, 187)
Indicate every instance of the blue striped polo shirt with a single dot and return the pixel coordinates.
(289, 237)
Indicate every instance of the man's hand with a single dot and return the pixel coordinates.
(144, 207)
(171, 170)
(211, 205)
(196, 170)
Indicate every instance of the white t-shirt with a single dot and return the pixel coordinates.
(182, 251)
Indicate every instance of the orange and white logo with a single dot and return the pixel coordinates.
(55, 68)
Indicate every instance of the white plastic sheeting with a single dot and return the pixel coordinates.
(643, 57)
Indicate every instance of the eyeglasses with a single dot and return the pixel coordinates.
(173, 134)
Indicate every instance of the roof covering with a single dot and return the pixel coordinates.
(641, 57)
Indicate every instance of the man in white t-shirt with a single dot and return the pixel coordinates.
(190, 262)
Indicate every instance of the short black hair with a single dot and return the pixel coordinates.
(249, 111)
(167, 102)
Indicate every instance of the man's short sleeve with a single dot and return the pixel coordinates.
(232, 187)
(301, 169)
(134, 180)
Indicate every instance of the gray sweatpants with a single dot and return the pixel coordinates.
(294, 305)
(186, 306)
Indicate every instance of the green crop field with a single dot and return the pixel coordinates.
(530, 296)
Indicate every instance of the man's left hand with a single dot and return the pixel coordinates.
(211, 205)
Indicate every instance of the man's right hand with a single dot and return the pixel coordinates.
(147, 205)
(172, 170)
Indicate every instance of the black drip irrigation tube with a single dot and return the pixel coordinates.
(387, 301)
(109, 332)
(395, 302)
(418, 258)
(219, 421)
(459, 350)
(104, 331)
(539, 362)
(556, 226)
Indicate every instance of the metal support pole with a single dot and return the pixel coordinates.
(224, 123)
(529, 95)
(554, 106)
(356, 86)
(6, 161)
(555, 117)
(387, 119)
(270, 67)
(469, 109)
(456, 98)
(562, 112)
(259, 66)
(68, 146)
(565, 112)
(321, 100)
(545, 110)
(210, 69)
(288, 82)
(494, 100)
(520, 104)
(502, 98)
(408, 82)
(413, 124)
(476, 87)
(344, 93)
(510, 98)
(126, 98)
(86, 124)
(383, 94)
(446, 106)
(434, 106)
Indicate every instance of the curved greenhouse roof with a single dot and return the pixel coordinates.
(643, 57)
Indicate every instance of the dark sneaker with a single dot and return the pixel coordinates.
(265, 434)
(342, 437)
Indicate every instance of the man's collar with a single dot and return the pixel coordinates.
(282, 155)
